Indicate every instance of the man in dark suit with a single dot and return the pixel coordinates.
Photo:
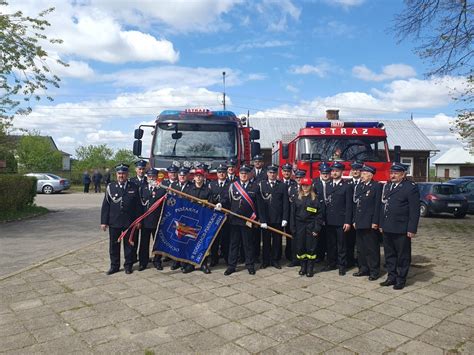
(259, 171)
(286, 171)
(121, 206)
(351, 235)
(276, 206)
(338, 219)
(231, 176)
(320, 186)
(399, 218)
(140, 180)
(244, 199)
(367, 198)
(172, 175)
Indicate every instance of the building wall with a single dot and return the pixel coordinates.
(454, 171)
(418, 161)
(66, 162)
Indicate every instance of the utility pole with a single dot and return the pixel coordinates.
(223, 79)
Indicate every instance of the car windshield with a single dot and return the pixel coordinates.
(445, 189)
(54, 176)
(195, 140)
(343, 149)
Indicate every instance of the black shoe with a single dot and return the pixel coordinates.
(310, 272)
(373, 277)
(158, 266)
(293, 264)
(166, 258)
(251, 271)
(360, 273)
(175, 266)
(304, 267)
(205, 269)
(229, 271)
(141, 267)
(342, 272)
(112, 271)
(187, 269)
(399, 286)
(128, 271)
(387, 282)
(276, 265)
(263, 265)
(328, 268)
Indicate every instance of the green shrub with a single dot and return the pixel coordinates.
(16, 192)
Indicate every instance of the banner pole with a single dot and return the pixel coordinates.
(225, 210)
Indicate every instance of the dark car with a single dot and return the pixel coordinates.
(466, 188)
(438, 197)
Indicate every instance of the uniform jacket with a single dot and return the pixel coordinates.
(183, 188)
(201, 193)
(218, 194)
(86, 179)
(400, 209)
(338, 203)
(367, 199)
(238, 204)
(120, 206)
(149, 195)
(319, 188)
(307, 213)
(275, 201)
(138, 182)
(261, 176)
(234, 178)
(97, 177)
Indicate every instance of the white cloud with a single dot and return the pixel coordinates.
(389, 72)
(246, 45)
(277, 13)
(66, 140)
(292, 89)
(345, 3)
(101, 136)
(320, 70)
(76, 69)
(334, 28)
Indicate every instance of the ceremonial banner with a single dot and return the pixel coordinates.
(187, 230)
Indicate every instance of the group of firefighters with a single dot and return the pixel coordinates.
(327, 217)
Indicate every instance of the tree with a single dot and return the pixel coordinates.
(36, 153)
(23, 61)
(93, 156)
(445, 31)
(123, 156)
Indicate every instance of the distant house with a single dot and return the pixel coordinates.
(416, 148)
(454, 163)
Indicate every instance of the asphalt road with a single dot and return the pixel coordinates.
(72, 223)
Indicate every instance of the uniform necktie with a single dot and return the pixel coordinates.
(221, 184)
(272, 184)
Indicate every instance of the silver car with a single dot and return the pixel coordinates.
(49, 183)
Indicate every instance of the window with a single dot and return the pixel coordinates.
(408, 162)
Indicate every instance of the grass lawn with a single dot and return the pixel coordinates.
(30, 211)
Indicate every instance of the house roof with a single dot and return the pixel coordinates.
(404, 133)
(456, 156)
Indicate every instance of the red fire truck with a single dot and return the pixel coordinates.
(193, 136)
(331, 141)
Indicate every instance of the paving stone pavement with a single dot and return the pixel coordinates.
(68, 305)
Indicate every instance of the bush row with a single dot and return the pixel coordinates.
(16, 192)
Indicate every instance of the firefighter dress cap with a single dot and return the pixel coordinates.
(141, 163)
(286, 167)
(152, 172)
(183, 171)
(369, 169)
(121, 168)
(337, 166)
(398, 167)
(199, 172)
(300, 173)
(231, 163)
(203, 166)
(356, 165)
(306, 181)
(172, 169)
(222, 168)
(245, 169)
(272, 168)
(324, 168)
(258, 157)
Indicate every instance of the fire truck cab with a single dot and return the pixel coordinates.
(331, 141)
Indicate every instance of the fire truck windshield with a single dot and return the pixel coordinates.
(344, 149)
(195, 140)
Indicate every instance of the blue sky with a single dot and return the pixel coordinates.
(129, 60)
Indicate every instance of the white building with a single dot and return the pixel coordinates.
(454, 163)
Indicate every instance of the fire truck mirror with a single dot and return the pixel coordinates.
(254, 134)
(285, 152)
(137, 147)
(138, 133)
(255, 148)
(397, 150)
(305, 156)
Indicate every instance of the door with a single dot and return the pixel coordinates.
(446, 173)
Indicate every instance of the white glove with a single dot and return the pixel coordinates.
(218, 207)
(284, 223)
(263, 225)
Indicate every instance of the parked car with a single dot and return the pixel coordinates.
(438, 197)
(466, 188)
(49, 183)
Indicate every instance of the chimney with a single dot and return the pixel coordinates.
(332, 114)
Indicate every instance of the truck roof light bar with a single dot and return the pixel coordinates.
(344, 124)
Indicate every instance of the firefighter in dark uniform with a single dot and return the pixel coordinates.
(202, 192)
(219, 190)
(258, 173)
(292, 193)
(172, 175)
(183, 185)
(338, 219)
(319, 186)
(274, 194)
(399, 216)
(307, 218)
(367, 198)
(286, 171)
(121, 206)
(140, 180)
(244, 199)
(231, 174)
(351, 235)
(149, 194)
